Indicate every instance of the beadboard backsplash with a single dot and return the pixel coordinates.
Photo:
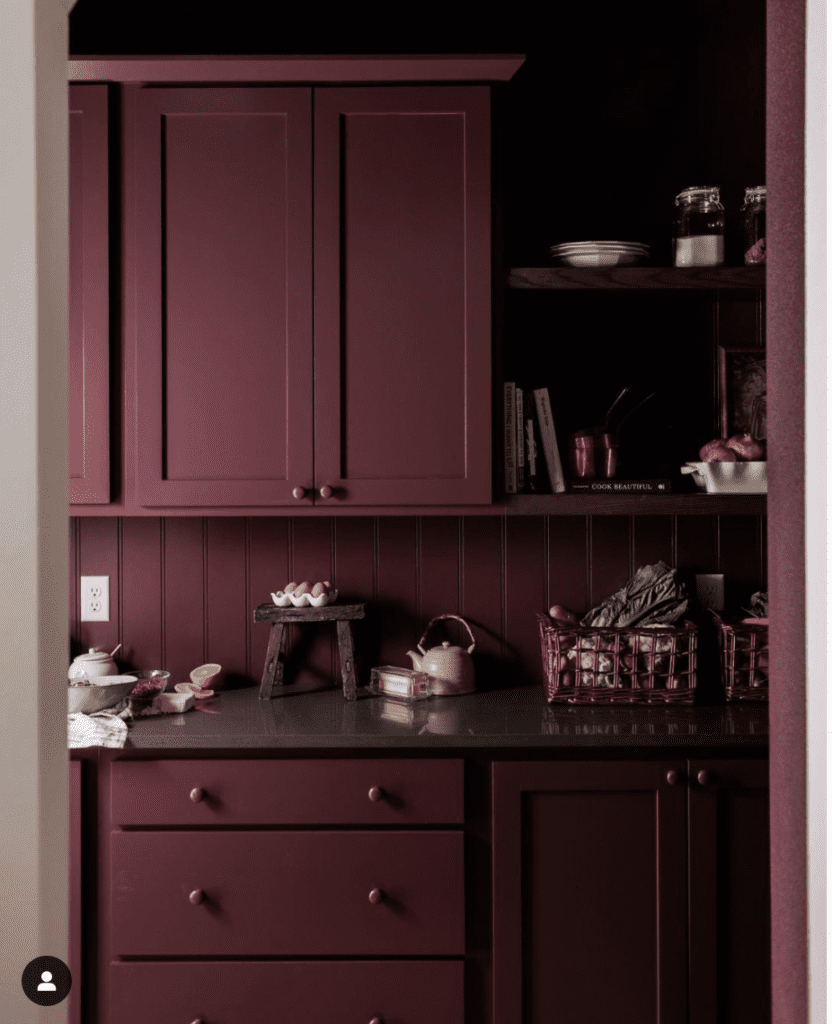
(183, 590)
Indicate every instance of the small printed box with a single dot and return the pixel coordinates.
(403, 683)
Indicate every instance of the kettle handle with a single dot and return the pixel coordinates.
(458, 619)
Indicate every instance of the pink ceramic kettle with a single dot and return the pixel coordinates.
(450, 666)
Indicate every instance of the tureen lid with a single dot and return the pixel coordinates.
(94, 655)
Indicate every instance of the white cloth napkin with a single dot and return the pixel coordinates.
(101, 729)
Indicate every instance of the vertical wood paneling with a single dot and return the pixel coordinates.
(396, 589)
(495, 572)
(355, 578)
(226, 596)
(697, 544)
(310, 649)
(98, 547)
(739, 557)
(268, 545)
(73, 585)
(141, 593)
(567, 563)
(652, 540)
(439, 577)
(183, 555)
(525, 592)
(483, 576)
(610, 561)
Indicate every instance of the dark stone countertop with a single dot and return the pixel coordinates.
(510, 718)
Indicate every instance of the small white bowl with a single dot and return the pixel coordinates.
(207, 676)
(102, 693)
(729, 477)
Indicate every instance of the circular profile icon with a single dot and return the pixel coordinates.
(46, 980)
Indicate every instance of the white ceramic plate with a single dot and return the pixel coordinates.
(599, 245)
(600, 259)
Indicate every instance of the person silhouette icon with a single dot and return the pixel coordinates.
(46, 983)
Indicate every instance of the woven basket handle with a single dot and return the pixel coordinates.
(437, 619)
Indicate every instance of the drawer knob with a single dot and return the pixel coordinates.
(672, 778)
(299, 492)
(703, 778)
(197, 896)
(325, 491)
(197, 1021)
(376, 1020)
(197, 794)
(375, 794)
(376, 896)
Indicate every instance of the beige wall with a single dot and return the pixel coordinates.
(33, 512)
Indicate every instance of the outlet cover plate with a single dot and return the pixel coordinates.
(95, 599)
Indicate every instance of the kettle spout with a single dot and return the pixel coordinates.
(416, 659)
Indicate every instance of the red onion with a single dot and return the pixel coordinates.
(746, 447)
(717, 451)
(718, 454)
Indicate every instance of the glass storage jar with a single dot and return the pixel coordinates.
(699, 235)
(754, 225)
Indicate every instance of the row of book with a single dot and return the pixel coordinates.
(532, 460)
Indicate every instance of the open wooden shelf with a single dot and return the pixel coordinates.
(698, 278)
(635, 504)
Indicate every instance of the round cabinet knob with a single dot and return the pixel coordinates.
(375, 794)
(197, 896)
(197, 1021)
(197, 794)
(672, 778)
(325, 491)
(703, 778)
(376, 1020)
(299, 492)
(376, 896)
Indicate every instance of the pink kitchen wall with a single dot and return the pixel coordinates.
(183, 590)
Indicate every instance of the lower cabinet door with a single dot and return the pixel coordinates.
(267, 993)
(590, 893)
(288, 894)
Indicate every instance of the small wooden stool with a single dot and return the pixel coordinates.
(272, 684)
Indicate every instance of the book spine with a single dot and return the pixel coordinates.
(550, 444)
(510, 437)
(532, 445)
(620, 486)
(521, 444)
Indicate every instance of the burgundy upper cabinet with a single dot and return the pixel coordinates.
(258, 383)
(222, 214)
(402, 296)
(89, 311)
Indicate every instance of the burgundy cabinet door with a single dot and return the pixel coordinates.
(589, 893)
(217, 992)
(402, 296)
(222, 209)
(89, 308)
(310, 893)
(730, 903)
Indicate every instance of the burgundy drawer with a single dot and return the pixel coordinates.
(287, 792)
(314, 993)
(287, 893)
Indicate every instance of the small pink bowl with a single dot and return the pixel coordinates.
(207, 677)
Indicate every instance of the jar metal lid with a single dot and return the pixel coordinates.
(699, 192)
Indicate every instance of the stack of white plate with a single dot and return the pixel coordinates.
(599, 254)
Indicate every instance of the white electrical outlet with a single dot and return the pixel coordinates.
(710, 589)
(95, 599)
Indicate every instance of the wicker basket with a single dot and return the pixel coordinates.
(743, 649)
(637, 665)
